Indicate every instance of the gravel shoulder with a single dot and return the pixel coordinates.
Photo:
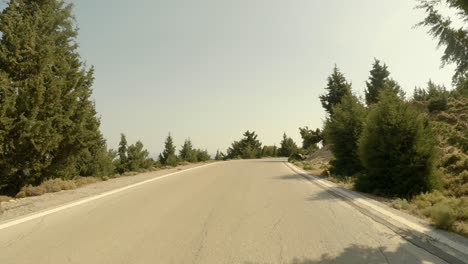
(17, 208)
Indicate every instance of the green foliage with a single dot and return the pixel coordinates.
(122, 151)
(49, 127)
(435, 97)
(137, 157)
(342, 132)
(168, 156)
(187, 152)
(337, 87)
(219, 155)
(396, 149)
(131, 158)
(310, 138)
(202, 155)
(288, 147)
(378, 81)
(269, 151)
(247, 148)
(171, 160)
(454, 39)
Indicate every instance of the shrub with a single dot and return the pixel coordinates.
(400, 204)
(171, 161)
(442, 215)
(396, 149)
(30, 190)
(80, 181)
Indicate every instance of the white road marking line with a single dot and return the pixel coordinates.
(356, 199)
(92, 198)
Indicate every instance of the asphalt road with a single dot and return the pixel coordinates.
(242, 212)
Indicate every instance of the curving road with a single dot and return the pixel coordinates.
(242, 212)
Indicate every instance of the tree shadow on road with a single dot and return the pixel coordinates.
(357, 254)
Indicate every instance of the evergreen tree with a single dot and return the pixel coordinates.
(187, 153)
(378, 77)
(54, 130)
(168, 156)
(269, 151)
(288, 147)
(218, 155)
(248, 148)
(122, 152)
(202, 155)
(342, 132)
(337, 87)
(396, 149)
(138, 157)
(454, 39)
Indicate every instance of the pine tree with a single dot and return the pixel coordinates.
(55, 132)
(342, 132)
(122, 153)
(454, 39)
(168, 156)
(247, 148)
(396, 149)
(187, 153)
(337, 87)
(288, 147)
(378, 77)
(218, 155)
(138, 157)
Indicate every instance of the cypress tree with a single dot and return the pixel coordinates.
(55, 131)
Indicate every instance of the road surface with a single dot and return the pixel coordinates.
(242, 212)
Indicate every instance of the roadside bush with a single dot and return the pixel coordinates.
(171, 161)
(30, 190)
(396, 149)
(80, 181)
(442, 215)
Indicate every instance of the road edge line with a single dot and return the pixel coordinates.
(36, 215)
(425, 235)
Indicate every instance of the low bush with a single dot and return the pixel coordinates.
(442, 215)
(80, 181)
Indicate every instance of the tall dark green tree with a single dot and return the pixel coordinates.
(455, 40)
(396, 149)
(379, 75)
(287, 147)
(54, 130)
(168, 156)
(342, 131)
(337, 87)
(187, 152)
(122, 152)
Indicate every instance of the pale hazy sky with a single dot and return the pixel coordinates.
(211, 69)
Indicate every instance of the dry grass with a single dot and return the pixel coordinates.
(55, 185)
(4, 198)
